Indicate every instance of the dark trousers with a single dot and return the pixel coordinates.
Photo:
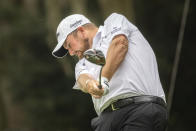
(134, 117)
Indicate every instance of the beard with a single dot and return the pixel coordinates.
(86, 44)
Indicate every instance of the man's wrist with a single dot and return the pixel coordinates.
(85, 88)
(105, 85)
(86, 83)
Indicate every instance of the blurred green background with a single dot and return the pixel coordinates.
(36, 89)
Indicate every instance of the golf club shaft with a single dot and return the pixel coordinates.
(100, 86)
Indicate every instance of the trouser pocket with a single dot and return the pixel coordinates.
(95, 123)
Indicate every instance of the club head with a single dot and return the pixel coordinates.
(95, 56)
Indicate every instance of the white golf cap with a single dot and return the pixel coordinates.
(66, 26)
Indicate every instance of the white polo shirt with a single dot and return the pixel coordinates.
(136, 75)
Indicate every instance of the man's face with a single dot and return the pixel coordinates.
(76, 45)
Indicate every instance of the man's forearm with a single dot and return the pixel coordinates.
(82, 81)
(115, 55)
(89, 85)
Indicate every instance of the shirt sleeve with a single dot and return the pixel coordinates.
(117, 24)
(80, 68)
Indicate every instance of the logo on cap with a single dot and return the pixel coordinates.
(57, 35)
(76, 23)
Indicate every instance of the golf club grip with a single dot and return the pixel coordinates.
(99, 86)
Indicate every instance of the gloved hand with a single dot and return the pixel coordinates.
(105, 85)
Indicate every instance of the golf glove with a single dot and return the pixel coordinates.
(105, 85)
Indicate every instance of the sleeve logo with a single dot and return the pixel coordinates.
(115, 29)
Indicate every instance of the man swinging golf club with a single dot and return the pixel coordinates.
(124, 85)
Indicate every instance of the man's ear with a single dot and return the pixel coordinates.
(81, 30)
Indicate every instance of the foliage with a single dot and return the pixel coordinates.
(34, 80)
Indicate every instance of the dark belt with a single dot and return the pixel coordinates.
(136, 99)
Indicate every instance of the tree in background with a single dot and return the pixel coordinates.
(35, 88)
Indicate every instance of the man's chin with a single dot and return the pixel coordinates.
(80, 57)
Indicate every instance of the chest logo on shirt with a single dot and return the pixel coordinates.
(115, 29)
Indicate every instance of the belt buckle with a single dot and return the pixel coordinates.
(113, 107)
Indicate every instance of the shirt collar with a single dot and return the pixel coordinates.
(98, 36)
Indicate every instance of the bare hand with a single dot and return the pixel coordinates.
(94, 90)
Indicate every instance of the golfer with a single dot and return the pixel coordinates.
(131, 97)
